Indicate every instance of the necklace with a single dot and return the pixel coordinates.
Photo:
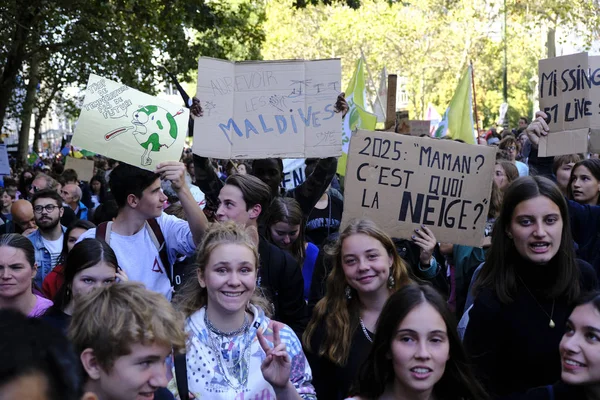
(551, 324)
(219, 332)
(364, 329)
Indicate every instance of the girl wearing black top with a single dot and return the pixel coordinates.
(525, 290)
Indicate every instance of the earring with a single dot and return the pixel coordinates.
(391, 282)
(509, 235)
(348, 292)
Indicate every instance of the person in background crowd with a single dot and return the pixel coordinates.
(510, 145)
(124, 346)
(416, 352)
(326, 216)
(11, 187)
(5, 206)
(38, 362)
(366, 271)
(48, 239)
(46, 182)
(242, 200)
(227, 320)
(580, 375)
(70, 177)
(71, 195)
(105, 212)
(525, 147)
(584, 185)
(140, 199)
(562, 167)
(17, 271)
(504, 173)
(285, 229)
(525, 289)
(55, 278)
(25, 180)
(99, 190)
(23, 220)
(90, 265)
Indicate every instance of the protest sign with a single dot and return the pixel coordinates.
(130, 126)
(418, 128)
(293, 172)
(402, 182)
(268, 109)
(83, 167)
(4, 161)
(570, 95)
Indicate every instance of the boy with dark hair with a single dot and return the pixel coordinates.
(147, 241)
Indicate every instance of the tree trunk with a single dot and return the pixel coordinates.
(42, 112)
(551, 42)
(15, 58)
(27, 111)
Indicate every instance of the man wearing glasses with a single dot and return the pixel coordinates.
(48, 239)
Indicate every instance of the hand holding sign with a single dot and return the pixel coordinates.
(538, 128)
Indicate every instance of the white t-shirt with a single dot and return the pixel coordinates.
(54, 247)
(139, 257)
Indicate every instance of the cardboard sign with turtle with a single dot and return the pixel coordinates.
(153, 131)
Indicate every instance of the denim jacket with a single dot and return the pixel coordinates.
(42, 257)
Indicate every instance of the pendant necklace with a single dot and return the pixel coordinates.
(551, 324)
(364, 329)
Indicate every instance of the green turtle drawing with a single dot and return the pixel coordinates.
(155, 128)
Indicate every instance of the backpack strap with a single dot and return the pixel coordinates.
(103, 231)
(159, 241)
(181, 376)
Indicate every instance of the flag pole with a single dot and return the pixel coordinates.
(474, 99)
(375, 88)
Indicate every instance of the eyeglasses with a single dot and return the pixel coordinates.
(512, 148)
(35, 189)
(49, 208)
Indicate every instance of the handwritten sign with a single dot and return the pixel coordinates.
(268, 109)
(402, 182)
(130, 126)
(418, 128)
(83, 167)
(570, 94)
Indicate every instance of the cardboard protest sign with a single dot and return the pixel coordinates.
(268, 109)
(83, 167)
(4, 161)
(418, 128)
(402, 182)
(130, 126)
(570, 95)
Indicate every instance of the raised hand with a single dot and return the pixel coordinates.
(341, 105)
(426, 240)
(173, 171)
(196, 108)
(537, 128)
(276, 367)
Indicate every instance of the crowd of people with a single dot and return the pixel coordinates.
(205, 279)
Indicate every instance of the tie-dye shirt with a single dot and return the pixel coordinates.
(206, 376)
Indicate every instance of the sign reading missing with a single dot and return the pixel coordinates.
(402, 182)
(570, 95)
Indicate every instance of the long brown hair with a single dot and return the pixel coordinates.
(286, 209)
(339, 314)
(192, 297)
(500, 272)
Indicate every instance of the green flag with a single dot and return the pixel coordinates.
(457, 121)
(357, 116)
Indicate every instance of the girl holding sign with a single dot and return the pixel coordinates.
(366, 271)
(525, 290)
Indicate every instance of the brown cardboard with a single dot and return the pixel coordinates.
(385, 170)
(572, 104)
(265, 109)
(83, 167)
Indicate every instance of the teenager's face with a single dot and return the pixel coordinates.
(585, 187)
(500, 177)
(232, 206)
(95, 185)
(16, 274)
(6, 200)
(580, 347)
(152, 200)
(366, 263)
(31, 386)
(137, 375)
(420, 350)
(268, 171)
(73, 237)
(284, 234)
(563, 175)
(241, 169)
(229, 278)
(44, 219)
(511, 150)
(88, 279)
(536, 229)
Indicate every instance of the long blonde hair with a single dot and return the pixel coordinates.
(192, 297)
(339, 314)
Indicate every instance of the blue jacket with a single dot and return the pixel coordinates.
(42, 257)
(82, 212)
